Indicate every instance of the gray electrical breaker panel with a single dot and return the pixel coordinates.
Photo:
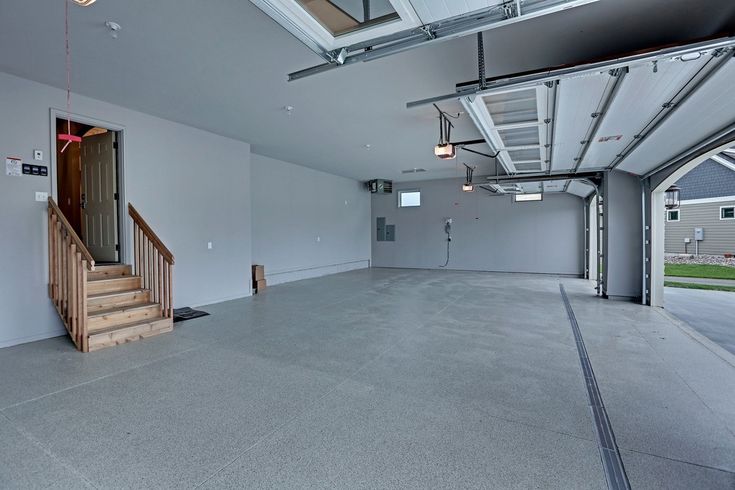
(380, 229)
(699, 234)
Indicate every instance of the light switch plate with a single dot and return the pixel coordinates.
(38, 155)
(41, 196)
(209, 245)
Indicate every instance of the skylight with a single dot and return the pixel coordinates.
(344, 16)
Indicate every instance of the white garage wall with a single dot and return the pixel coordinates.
(489, 233)
(190, 185)
(307, 223)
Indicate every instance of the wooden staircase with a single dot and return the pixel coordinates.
(107, 305)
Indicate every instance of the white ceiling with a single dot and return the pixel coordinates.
(221, 66)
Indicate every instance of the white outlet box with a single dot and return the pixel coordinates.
(209, 245)
(38, 155)
(41, 196)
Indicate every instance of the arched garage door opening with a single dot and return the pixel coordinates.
(659, 216)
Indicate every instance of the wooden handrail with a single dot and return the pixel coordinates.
(69, 261)
(81, 248)
(154, 263)
(151, 235)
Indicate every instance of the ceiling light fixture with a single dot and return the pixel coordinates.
(467, 186)
(84, 3)
(444, 150)
(691, 56)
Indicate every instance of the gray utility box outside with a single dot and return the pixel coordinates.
(699, 234)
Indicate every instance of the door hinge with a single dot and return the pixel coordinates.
(117, 247)
(116, 196)
(114, 145)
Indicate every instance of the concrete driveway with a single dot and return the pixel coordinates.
(711, 313)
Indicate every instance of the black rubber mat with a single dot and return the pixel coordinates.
(181, 314)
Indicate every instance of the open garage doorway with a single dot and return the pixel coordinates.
(88, 186)
(693, 236)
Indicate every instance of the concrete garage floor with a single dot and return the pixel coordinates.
(711, 313)
(375, 379)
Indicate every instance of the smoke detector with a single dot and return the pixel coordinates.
(114, 28)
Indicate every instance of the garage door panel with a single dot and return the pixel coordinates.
(643, 93)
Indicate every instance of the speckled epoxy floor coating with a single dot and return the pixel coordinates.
(377, 378)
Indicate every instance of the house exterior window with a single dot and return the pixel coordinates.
(673, 215)
(727, 212)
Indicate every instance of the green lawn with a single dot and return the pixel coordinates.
(689, 285)
(697, 270)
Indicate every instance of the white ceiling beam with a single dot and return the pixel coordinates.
(518, 125)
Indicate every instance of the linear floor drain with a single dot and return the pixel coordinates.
(609, 453)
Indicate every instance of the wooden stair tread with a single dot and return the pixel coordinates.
(116, 277)
(110, 271)
(109, 285)
(128, 326)
(121, 309)
(112, 294)
(129, 332)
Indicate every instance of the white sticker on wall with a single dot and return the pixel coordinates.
(13, 167)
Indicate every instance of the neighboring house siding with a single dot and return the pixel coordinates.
(719, 235)
(709, 179)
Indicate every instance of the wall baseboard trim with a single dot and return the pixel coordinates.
(281, 277)
(221, 300)
(575, 275)
(33, 338)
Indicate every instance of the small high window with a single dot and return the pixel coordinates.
(673, 215)
(537, 196)
(345, 16)
(727, 212)
(409, 199)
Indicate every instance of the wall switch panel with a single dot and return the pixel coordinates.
(38, 155)
(41, 196)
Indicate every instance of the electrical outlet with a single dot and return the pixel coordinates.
(41, 196)
(209, 245)
(38, 155)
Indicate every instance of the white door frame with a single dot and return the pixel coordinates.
(658, 222)
(55, 114)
